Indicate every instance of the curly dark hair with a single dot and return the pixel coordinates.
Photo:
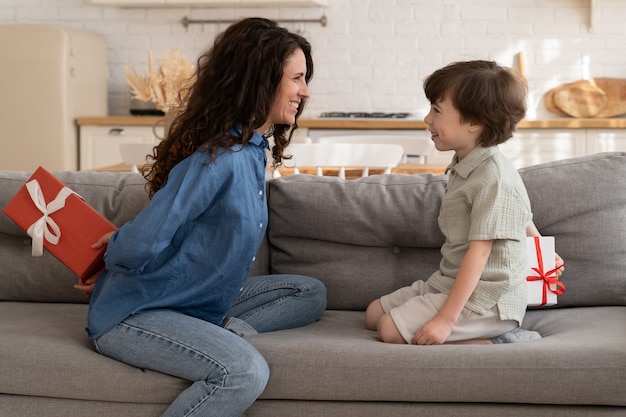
(484, 93)
(236, 82)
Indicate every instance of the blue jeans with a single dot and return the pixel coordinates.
(228, 373)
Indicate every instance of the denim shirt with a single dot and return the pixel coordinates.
(192, 247)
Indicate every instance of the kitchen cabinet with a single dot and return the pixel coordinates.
(99, 145)
(210, 3)
(536, 146)
(526, 147)
(534, 142)
(606, 140)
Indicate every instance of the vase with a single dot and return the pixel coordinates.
(166, 122)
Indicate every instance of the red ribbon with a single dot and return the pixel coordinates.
(549, 278)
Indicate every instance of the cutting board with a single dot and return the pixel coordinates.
(598, 97)
(615, 90)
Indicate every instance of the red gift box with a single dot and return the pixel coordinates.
(60, 221)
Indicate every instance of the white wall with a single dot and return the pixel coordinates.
(374, 54)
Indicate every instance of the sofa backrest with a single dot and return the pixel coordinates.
(364, 237)
(118, 196)
(582, 202)
(367, 237)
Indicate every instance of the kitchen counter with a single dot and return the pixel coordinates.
(332, 123)
(536, 141)
(119, 121)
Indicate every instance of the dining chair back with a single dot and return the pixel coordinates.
(416, 149)
(342, 155)
(135, 154)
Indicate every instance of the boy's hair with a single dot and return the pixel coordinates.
(484, 93)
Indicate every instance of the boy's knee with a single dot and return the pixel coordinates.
(373, 313)
(388, 332)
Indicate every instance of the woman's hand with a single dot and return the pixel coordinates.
(86, 286)
(104, 240)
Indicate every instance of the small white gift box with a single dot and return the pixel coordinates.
(543, 284)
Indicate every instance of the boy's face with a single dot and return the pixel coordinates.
(448, 131)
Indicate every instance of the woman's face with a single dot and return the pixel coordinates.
(292, 89)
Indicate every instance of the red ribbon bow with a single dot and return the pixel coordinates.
(549, 278)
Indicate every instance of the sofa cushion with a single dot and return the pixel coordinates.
(337, 359)
(118, 196)
(582, 202)
(45, 353)
(382, 230)
(362, 238)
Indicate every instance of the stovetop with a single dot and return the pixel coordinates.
(365, 115)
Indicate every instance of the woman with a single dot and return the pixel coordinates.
(175, 277)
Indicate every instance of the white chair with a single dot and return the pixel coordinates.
(135, 154)
(342, 155)
(417, 149)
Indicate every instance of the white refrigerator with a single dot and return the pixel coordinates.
(49, 76)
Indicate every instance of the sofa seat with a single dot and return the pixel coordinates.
(362, 238)
(358, 367)
(355, 366)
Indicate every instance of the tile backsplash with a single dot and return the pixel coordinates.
(373, 54)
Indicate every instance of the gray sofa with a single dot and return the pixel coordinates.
(363, 238)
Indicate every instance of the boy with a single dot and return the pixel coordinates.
(479, 292)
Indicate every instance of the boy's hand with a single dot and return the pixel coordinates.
(559, 261)
(435, 332)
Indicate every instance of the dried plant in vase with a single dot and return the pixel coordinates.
(165, 86)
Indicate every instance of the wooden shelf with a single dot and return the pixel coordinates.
(314, 123)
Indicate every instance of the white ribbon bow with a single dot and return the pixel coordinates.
(45, 226)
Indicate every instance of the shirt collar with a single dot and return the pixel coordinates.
(260, 140)
(471, 161)
(256, 139)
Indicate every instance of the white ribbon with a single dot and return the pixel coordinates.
(45, 226)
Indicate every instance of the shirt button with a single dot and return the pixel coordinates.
(260, 225)
(240, 289)
(253, 258)
(260, 192)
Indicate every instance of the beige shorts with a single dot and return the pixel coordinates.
(412, 307)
